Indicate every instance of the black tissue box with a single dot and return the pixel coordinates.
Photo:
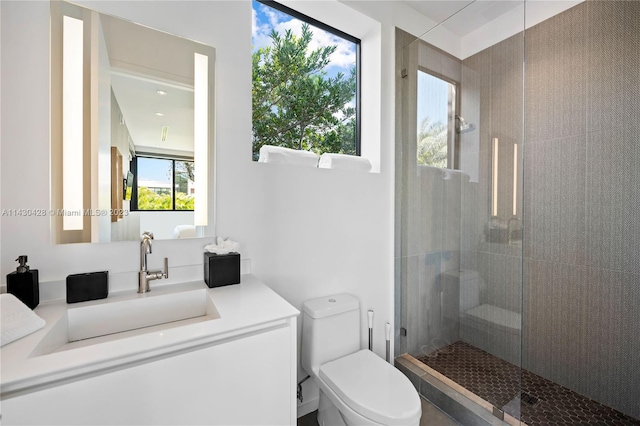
(90, 286)
(221, 269)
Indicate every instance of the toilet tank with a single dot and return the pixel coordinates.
(330, 330)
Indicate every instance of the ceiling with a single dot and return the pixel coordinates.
(463, 17)
(144, 61)
(437, 10)
(465, 27)
(141, 105)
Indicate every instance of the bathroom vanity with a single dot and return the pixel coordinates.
(226, 356)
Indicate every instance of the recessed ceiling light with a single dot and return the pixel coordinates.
(159, 114)
(161, 92)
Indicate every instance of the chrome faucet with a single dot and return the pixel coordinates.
(145, 276)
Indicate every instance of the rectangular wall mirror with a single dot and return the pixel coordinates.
(132, 130)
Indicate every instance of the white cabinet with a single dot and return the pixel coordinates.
(245, 380)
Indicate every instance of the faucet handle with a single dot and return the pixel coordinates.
(165, 274)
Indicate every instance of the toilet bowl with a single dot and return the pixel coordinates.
(356, 386)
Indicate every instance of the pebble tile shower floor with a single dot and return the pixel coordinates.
(540, 401)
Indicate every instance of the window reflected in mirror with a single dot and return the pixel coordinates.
(163, 184)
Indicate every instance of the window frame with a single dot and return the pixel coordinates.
(134, 190)
(328, 28)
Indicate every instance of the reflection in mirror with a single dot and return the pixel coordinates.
(131, 130)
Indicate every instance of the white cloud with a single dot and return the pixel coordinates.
(343, 57)
(272, 15)
(254, 23)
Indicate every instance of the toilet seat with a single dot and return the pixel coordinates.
(373, 388)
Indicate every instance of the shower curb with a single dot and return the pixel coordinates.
(462, 405)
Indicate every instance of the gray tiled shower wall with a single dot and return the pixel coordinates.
(578, 285)
(582, 189)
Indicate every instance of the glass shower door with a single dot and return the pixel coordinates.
(459, 184)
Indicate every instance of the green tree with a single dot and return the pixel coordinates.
(184, 201)
(432, 143)
(150, 200)
(295, 103)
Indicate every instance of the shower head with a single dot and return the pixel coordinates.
(462, 126)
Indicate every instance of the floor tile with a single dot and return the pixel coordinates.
(431, 416)
(541, 401)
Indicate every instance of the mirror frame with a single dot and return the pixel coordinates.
(90, 132)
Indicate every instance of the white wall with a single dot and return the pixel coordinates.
(127, 228)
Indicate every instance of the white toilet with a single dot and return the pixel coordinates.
(356, 386)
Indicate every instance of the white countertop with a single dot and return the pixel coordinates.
(243, 308)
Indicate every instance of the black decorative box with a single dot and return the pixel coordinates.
(221, 269)
(90, 286)
(25, 287)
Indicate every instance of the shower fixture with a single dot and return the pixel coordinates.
(462, 126)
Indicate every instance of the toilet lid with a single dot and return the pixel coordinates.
(373, 388)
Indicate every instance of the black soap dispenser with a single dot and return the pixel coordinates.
(23, 283)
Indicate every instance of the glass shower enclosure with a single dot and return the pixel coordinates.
(517, 215)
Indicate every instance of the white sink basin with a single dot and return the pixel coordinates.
(109, 318)
(127, 315)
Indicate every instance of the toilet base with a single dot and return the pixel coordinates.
(328, 414)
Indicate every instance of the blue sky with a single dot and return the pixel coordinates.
(266, 18)
(154, 169)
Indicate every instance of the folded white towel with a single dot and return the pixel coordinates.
(184, 231)
(344, 162)
(278, 154)
(16, 319)
(223, 247)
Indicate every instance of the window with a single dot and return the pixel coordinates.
(163, 184)
(436, 121)
(306, 79)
